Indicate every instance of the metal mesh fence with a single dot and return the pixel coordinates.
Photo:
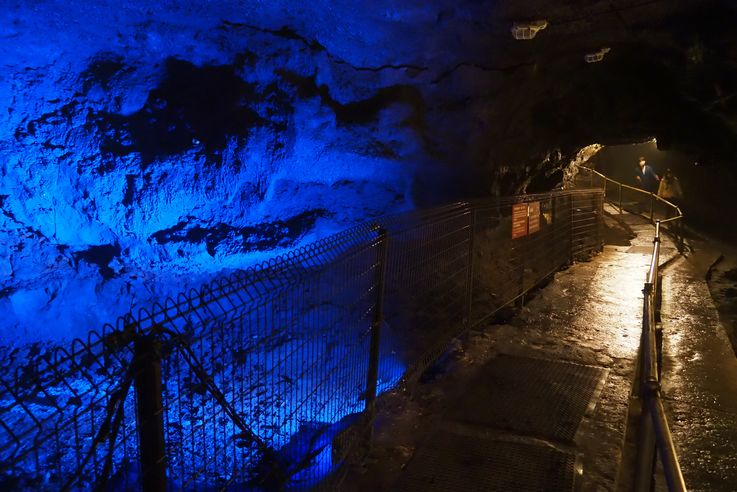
(504, 268)
(264, 379)
(427, 268)
(262, 375)
(67, 419)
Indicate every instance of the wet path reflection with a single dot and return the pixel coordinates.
(590, 314)
(700, 377)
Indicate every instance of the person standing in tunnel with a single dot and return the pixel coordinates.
(670, 189)
(646, 177)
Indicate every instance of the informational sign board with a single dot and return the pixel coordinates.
(525, 219)
(533, 217)
(519, 220)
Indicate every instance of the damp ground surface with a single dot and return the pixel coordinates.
(544, 398)
(722, 280)
(700, 368)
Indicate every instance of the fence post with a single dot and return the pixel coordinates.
(620, 198)
(646, 449)
(646, 444)
(469, 280)
(570, 226)
(149, 413)
(652, 206)
(599, 222)
(373, 365)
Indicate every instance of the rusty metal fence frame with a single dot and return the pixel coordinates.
(266, 378)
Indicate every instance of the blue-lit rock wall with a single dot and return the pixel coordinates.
(147, 146)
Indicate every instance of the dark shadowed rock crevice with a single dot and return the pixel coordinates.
(227, 239)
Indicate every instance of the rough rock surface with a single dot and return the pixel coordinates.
(144, 148)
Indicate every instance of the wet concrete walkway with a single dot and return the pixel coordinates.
(543, 399)
(699, 374)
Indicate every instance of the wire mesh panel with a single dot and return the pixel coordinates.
(507, 261)
(67, 418)
(545, 249)
(426, 295)
(498, 269)
(259, 383)
(586, 223)
(261, 379)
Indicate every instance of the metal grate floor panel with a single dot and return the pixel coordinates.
(536, 397)
(448, 462)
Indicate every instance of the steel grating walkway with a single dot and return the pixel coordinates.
(449, 462)
(533, 406)
(536, 404)
(540, 398)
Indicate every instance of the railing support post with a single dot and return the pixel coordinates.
(373, 364)
(149, 413)
(524, 246)
(652, 206)
(570, 227)
(620, 198)
(469, 280)
(600, 221)
(646, 450)
(646, 453)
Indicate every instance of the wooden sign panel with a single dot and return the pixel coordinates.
(534, 217)
(519, 220)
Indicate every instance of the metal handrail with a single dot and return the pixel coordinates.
(654, 432)
(677, 217)
(650, 392)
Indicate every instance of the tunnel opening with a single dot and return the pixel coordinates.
(707, 185)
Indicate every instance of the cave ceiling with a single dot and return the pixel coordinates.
(473, 94)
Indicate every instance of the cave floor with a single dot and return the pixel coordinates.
(542, 401)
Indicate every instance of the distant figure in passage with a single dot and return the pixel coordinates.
(670, 188)
(646, 177)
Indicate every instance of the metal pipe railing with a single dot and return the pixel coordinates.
(654, 425)
(654, 198)
(669, 459)
(655, 438)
